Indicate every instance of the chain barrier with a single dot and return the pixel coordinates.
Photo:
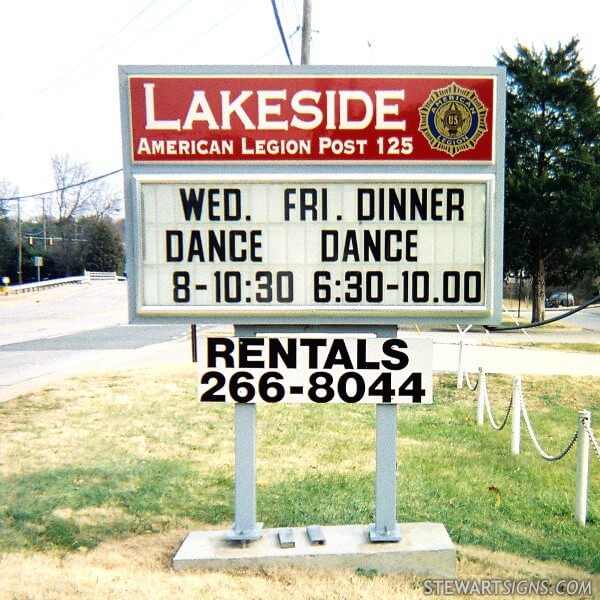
(594, 442)
(462, 373)
(488, 408)
(536, 443)
(583, 433)
(531, 432)
(469, 384)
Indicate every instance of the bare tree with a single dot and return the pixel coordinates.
(7, 190)
(77, 197)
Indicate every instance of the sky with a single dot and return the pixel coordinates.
(59, 86)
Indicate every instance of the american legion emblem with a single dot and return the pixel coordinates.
(453, 119)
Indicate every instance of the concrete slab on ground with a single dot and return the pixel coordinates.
(425, 549)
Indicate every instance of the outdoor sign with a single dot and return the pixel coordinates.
(319, 195)
(316, 369)
(315, 200)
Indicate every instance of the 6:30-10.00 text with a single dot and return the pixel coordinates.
(230, 287)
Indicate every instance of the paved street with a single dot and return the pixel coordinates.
(62, 310)
(49, 335)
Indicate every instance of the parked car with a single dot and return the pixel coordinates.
(556, 299)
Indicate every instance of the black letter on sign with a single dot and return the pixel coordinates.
(174, 251)
(456, 206)
(247, 352)
(192, 203)
(361, 356)
(338, 355)
(366, 204)
(329, 252)
(219, 348)
(391, 348)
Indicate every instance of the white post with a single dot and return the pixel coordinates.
(515, 437)
(583, 466)
(481, 396)
(460, 374)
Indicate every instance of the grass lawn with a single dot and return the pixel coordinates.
(123, 465)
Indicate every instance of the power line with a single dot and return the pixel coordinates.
(212, 28)
(594, 300)
(161, 22)
(297, 13)
(62, 189)
(269, 51)
(281, 34)
(99, 48)
(80, 64)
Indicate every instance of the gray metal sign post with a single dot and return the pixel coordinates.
(245, 527)
(385, 528)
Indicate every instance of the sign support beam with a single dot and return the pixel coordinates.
(385, 528)
(246, 528)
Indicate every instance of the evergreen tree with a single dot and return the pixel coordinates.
(8, 251)
(104, 250)
(8, 234)
(552, 175)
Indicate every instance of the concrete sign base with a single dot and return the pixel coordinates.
(425, 549)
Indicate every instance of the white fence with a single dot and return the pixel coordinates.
(100, 275)
(583, 436)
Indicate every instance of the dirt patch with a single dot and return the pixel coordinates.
(92, 515)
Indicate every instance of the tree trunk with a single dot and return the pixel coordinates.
(539, 289)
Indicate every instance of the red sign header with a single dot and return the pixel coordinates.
(210, 119)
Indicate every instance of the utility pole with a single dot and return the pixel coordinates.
(306, 30)
(20, 243)
(44, 221)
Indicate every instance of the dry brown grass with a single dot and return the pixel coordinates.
(53, 427)
(139, 567)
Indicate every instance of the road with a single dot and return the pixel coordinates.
(588, 319)
(49, 335)
(62, 310)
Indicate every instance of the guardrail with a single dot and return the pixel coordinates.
(40, 285)
(87, 277)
